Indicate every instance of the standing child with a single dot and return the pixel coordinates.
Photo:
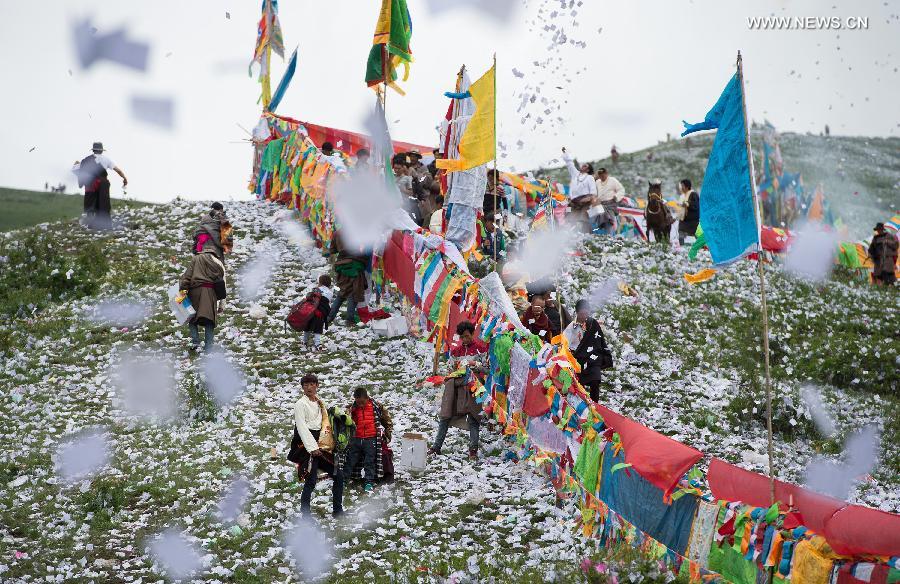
(312, 333)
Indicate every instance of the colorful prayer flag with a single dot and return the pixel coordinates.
(390, 45)
(479, 142)
(283, 84)
(728, 213)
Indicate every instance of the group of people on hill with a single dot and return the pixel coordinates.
(343, 443)
(594, 199)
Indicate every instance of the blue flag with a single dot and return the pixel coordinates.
(727, 212)
(285, 81)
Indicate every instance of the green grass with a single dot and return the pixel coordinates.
(22, 208)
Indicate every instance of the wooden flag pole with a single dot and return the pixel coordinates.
(762, 285)
(496, 174)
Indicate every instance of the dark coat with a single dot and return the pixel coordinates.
(587, 353)
(557, 325)
(203, 270)
(538, 324)
(883, 251)
(211, 224)
(691, 220)
(353, 286)
(458, 401)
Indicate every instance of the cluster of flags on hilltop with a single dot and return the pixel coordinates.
(782, 194)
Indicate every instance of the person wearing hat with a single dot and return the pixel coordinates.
(91, 174)
(883, 251)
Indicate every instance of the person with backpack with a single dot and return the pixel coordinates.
(373, 428)
(214, 227)
(308, 316)
(204, 282)
(588, 346)
(91, 174)
(313, 445)
(659, 219)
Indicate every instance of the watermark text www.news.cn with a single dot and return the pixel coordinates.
(808, 22)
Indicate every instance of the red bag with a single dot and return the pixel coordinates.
(302, 312)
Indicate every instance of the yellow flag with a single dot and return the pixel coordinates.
(479, 142)
(701, 276)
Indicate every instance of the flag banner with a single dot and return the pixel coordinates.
(283, 84)
(390, 45)
(727, 214)
(478, 143)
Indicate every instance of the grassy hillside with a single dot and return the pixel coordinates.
(23, 208)
(860, 176)
(686, 364)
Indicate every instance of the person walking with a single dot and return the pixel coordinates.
(199, 281)
(582, 190)
(690, 210)
(588, 346)
(215, 227)
(350, 267)
(883, 251)
(374, 428)
(312, 447)
(315, 327)
(458, 405)
(91, 174)
(657, 214)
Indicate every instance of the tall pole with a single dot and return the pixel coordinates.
(496, 174)
(762, 285)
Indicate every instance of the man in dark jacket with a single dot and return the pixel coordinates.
(883, 251)
(690, 203)
(91, 174)
(588, 346)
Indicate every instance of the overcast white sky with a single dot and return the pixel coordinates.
(646, 66)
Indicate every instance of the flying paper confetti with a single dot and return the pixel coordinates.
(310, 549)
(223, 379)
(82, 457)
(92, 47)
(154, 110)
(178, 557)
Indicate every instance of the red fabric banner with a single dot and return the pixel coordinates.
(849, 529)
(657, 458)
(399, 267)
(350, 142)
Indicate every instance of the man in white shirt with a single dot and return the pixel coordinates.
(610, 193)
(309, 412)
(582, 190)
(92, 175)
